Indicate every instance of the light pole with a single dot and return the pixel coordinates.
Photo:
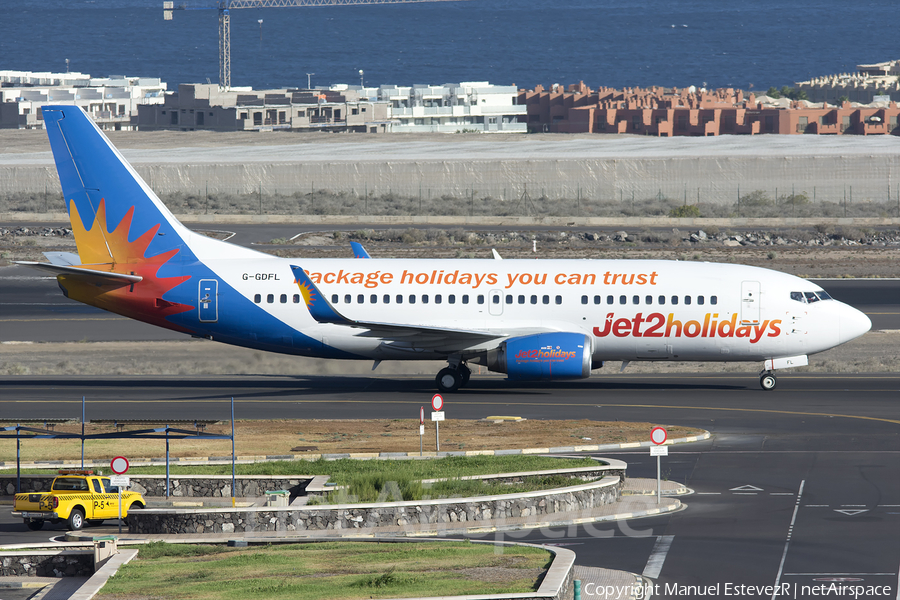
(67, 65)
(260, 29)
(360, 78)
(308, 84)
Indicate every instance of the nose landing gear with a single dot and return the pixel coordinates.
(767, 380)
(450, 379)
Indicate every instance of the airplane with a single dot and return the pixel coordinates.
(543, 320)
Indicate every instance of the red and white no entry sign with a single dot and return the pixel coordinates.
(658, 435)
(119, 465)
(421, 415)
(437, 402)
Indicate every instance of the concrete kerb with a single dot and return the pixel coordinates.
(212, 460)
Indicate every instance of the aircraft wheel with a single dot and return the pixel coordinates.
(768, 381)
(448, 380)
(465, 373)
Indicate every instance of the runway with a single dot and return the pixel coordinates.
(795, 486)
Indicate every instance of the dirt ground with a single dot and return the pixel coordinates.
(254, 438)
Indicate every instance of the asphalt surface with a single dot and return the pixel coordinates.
(797, 485)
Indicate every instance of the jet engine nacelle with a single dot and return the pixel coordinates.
(561, 355)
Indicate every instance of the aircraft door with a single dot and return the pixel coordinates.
(495, 302)
(208, 303)
(749, 303)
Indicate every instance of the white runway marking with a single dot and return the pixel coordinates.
(787, 543)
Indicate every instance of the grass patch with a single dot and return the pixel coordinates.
(328, 570)
(345, 470)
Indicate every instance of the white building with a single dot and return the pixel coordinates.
(453, 107)
(111, 101)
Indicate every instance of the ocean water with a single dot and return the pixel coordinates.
(617, 43)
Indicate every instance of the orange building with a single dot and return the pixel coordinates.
(665, 113)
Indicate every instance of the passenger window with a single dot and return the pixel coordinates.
(584, 299)
(635, 299)
(424, 298)
(700, 300)
(648, 300)
(373, 298)
(559, 299)
(257, 298)
(495, 299)
(399, 298)
(597, 299)
(334, 298)
(609, 299)
(465, 299)
(687, 299)
(360, 299)
(437, 299)
(509, 299)
(662, 299)
(480, 298)
(283, 298)
(534, 299)
(623, 299)
(347, 299)
(674, 299)
(798, 296)
(270, 298)
(451, 299)
(412, 298)
(521, 299)
(545, 299)
(296, 298)
(713, 299)
(811, 297)
(386, 298)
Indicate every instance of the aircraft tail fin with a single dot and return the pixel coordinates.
(116, 218)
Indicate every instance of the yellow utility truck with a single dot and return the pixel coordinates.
(76, 497)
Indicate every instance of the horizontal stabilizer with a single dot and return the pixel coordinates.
(63, 258)
(89, 275)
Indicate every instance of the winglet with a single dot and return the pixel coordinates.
(359, 251)
(318, 306)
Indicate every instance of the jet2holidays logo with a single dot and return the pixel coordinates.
(658, 325)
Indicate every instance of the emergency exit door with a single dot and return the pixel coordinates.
(208, 302)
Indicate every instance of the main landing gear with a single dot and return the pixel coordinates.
(451, 378)
(767, 380)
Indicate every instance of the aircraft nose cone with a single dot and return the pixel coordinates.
(853, 323)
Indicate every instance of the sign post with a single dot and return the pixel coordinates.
(658, 436)
(119, 465)
(437, 403)
(421, 427)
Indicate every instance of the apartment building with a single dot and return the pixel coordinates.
(205, 106)
(111, 101)
(469, 106)
(691, 112)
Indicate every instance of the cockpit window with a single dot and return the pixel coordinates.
(798, 296)
(811, 297)
(824, 296)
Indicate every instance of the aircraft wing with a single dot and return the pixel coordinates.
(84, 274)
(420, 335)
